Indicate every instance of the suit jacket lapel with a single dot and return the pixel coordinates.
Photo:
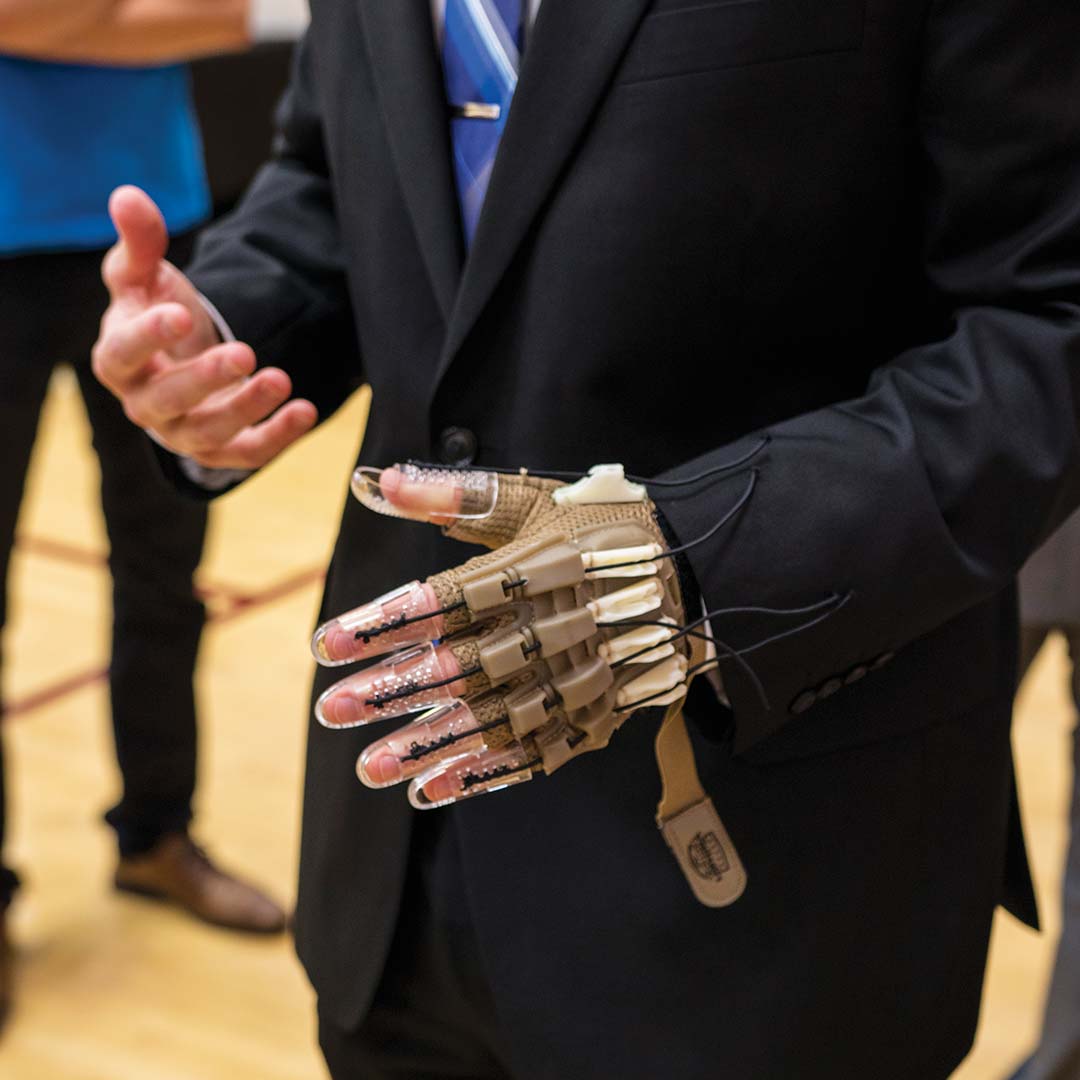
(570, 56)
(401, 45)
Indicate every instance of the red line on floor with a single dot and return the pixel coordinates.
(239, 604)
(79, 556)
(243, 605)
(57, 549)
(55, 692)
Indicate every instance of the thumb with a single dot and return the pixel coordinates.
(427, 495)
(471, 504)
(143, 240)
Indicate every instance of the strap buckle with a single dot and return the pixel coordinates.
(705, 854)
(689, 822)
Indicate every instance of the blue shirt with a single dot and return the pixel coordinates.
(70, 134)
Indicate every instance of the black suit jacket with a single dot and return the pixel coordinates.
(852, 225)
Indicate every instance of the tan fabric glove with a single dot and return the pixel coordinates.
(526, 657)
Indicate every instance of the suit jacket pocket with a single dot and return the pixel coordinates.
(682, 37)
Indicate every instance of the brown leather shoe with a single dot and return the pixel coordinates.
(7, 972)
(179, 872)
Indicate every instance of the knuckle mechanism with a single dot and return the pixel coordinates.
(568, 653)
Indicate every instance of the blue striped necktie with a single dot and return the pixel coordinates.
(481, 60)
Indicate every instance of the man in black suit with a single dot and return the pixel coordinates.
(853, 227)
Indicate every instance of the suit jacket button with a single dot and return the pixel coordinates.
(830, 688)
(803, 702)
(457, 446)
(856, 673)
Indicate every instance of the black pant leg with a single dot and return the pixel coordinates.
(433, 1017)
(30, 326)
(156, 542)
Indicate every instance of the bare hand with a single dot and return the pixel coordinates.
(161, 355)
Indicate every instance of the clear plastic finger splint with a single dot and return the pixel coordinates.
(427, 493)
(471, 775)
(399, 619)
(439, 736)
(406, 682)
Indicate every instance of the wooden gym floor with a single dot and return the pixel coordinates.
(113, 988)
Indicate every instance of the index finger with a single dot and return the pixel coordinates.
(127, 345)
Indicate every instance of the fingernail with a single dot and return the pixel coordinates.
(381, 769)
(343, 710)
(405, 683)
(340, 645)
(441, 790)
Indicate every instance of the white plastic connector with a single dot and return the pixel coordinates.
(627, 562)
(665, 677)
(604, 484)
(627, 603)
(655, 639)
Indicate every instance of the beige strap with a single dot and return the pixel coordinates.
(689, 821)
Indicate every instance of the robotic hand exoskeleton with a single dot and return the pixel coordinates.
(531, 655)
(545, 646)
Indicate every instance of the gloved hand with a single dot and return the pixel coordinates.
(526, 657)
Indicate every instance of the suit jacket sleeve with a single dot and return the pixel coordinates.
(925, 495)
(274, 267)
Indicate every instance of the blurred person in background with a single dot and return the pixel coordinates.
(92, 93)
(1049, 602)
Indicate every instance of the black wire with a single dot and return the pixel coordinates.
(470, 780)
(555, 474)
(728, 651)
(739, 655)
(749, 610)
(645, 701)
(544, 474)
(744, 666)
(672, 552)
(798, 629)
(714, 471)
(418, 750)
(403, 621)
(688, 629)
(413, 688)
